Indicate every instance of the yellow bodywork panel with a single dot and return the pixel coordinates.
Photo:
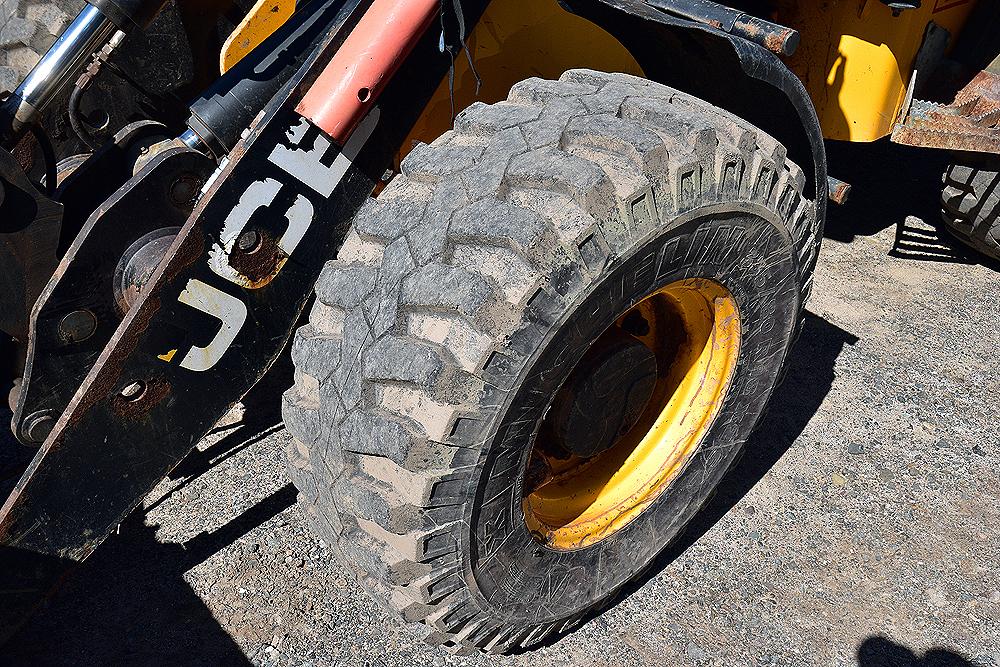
(856, 58)
(516, 40)
(260, 23)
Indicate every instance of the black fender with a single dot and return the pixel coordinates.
(728, 71)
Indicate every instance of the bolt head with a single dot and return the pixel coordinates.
(134, 391)
(14, 395)
(38, 426)
(184, 190)
(249, 241)
(77, 326)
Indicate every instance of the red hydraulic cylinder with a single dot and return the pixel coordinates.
(347, 89)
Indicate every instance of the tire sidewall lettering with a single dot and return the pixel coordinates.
(522, 581)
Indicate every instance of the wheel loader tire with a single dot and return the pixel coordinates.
(970, 203)
(27, 29)
(572, 237)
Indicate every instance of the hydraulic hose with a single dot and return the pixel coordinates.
(94, 28)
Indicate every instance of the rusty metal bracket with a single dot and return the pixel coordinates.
(91, 179)
(776, 38)
(78, 311)
(970, 123)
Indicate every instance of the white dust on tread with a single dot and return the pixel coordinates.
(470, 347)
(434, 417)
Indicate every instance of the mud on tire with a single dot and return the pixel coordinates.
(463, 296)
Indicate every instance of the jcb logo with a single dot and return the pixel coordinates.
(306, 166)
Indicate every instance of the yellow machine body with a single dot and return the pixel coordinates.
(261, 21)
(856, 58)
(516, 40)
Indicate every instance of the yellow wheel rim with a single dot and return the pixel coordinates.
(693, 329)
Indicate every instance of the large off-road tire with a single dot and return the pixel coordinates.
(467, 293)
(970, 203)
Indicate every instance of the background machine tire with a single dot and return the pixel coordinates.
(27, 29)
(476, 284)
(970, 202)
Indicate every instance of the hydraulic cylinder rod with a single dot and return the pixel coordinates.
(89, 32)
(92, 30)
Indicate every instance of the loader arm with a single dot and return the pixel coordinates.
(217, 312)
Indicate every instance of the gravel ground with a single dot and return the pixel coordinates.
(860, 528)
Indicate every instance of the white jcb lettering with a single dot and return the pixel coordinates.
(306, 164)
(260, 194)
(231, 313)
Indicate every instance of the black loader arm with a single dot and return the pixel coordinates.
(202, 328)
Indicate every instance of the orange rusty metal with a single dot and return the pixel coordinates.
(839, 190)
(347, 89)
(970, 123)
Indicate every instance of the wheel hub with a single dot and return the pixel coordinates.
(604, 397)
(631, 414)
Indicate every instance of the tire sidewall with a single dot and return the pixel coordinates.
(744, 247)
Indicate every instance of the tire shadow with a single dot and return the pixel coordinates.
(808, 380)
(882, 652)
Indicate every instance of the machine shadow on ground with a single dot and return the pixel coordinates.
(888, 183)
(895, 186)
(129, 603)
(883, 652)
